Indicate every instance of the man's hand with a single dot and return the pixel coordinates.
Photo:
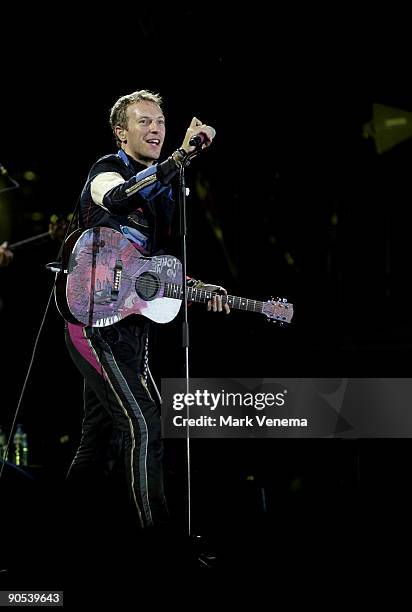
(215, 304)
(197, 127)
(5, 255)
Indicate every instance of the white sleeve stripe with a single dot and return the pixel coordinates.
(102, 184)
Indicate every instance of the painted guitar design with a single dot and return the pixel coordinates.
(105, 279)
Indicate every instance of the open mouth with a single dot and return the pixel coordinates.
(154, 141)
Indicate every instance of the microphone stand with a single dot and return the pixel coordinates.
(185, 324)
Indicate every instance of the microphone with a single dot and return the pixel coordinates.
(200, 139)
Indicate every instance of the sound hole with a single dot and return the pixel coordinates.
(147, 286)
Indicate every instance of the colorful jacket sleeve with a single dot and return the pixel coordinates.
(118, 195)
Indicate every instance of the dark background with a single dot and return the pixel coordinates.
(307, 209)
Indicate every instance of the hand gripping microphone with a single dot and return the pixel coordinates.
(200, 139)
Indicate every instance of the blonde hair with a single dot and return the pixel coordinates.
(118, 115)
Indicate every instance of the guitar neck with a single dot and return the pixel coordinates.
(201, 295)
(32, 240)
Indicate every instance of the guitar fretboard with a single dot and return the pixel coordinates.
(173, 290)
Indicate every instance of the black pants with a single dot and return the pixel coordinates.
(120, 417)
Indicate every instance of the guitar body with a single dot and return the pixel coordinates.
(105, 279)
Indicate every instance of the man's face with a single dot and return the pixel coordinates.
(145, 131)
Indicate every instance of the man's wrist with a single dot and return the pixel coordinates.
(194, 283)
(178, 156)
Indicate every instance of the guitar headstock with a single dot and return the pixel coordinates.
(278, 310)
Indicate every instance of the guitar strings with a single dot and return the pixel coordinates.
(258, 304)
(147, 285)
(203, 294)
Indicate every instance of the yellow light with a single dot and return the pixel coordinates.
(289, 259)
(218, 233)
(29, 175)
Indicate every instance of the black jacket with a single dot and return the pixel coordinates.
(139, 205)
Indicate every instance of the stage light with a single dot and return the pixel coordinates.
(388, 127)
